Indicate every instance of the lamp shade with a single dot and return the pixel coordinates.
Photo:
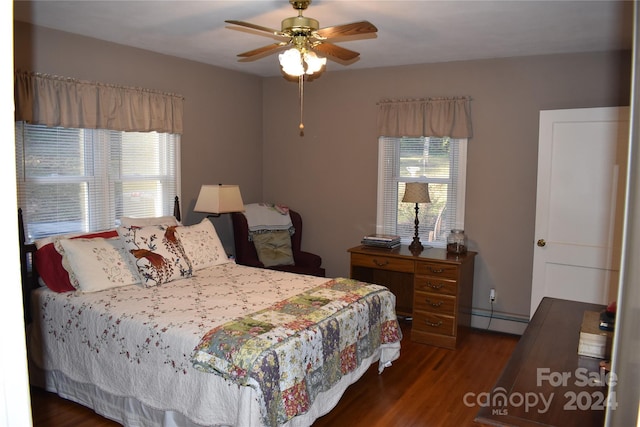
(218, 199)
(291, 62)
(314, 62)
(416, 192)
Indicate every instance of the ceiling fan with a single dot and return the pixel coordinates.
(306, 39)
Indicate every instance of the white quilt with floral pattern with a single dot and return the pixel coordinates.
(135, 341)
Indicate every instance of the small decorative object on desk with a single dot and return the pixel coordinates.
(457, 242)
(381, 241)
(608, 317)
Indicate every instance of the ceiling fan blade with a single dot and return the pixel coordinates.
(336, 51)
(261, 50)
(353, 29)
(257, 27)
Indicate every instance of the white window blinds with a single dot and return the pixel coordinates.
(81, 180)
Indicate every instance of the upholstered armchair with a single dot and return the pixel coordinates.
(246, 254)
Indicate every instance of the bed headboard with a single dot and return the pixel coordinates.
(27, 268)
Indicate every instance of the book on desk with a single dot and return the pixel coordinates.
(381, 241)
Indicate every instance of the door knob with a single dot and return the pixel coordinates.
(541, 243)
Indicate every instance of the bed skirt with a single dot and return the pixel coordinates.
(130, 412)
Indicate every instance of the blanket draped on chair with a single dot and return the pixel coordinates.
(266, 217)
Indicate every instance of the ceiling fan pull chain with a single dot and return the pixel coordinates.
(301, 98)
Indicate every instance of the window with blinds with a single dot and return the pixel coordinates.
(81, 180)
(440, 162)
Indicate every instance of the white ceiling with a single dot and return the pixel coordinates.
(409, 32)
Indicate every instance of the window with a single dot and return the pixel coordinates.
(81, 180)
(441, 162)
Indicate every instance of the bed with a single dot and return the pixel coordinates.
(196, 339)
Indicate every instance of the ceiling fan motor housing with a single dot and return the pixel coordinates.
(299, 24)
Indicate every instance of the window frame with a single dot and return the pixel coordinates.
(458, 181)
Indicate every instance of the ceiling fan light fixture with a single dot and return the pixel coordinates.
(296, 63)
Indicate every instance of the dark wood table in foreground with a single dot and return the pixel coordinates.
(546, 382)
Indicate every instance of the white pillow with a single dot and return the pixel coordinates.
(128, 221)
(57, 244)
(44, 241)
(97, 264)
(202, 245)
(157, 253)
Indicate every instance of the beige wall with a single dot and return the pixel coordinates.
(242, 129)
(329, 175)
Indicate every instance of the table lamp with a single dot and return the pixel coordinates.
(416, 192)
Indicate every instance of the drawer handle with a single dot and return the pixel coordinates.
(434, 325)
(436, 270)
(433, 304)
(436, 286)
(380, 264)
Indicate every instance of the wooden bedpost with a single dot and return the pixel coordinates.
(176, 209)
(26, 257)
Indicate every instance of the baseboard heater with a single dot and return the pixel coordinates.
(499, 322)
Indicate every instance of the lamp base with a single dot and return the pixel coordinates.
(415, 245)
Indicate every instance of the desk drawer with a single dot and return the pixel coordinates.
(434, 269)
(434, 303)
(433, 323)
(434, 285)
(382, 262)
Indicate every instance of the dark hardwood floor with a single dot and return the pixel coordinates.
(425, 387)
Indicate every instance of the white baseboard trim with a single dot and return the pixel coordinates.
(498, 322)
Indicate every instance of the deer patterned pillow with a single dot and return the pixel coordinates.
(157, 253)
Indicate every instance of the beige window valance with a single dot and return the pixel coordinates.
(425, 117)
(58, 101)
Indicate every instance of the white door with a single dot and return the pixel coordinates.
(581, 168)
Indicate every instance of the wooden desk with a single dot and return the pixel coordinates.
(433, 287)
(546, 363)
